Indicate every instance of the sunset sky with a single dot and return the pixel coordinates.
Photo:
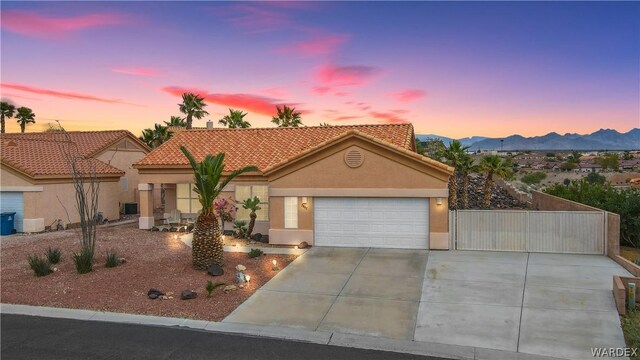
(452, 69)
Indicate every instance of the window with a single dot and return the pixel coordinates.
(124, 184)
(187, 199)
(290, 212)
(244, 192)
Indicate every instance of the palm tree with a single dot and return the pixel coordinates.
(176, 121)
(235, 120)
(7, 110)
(252, 205)
(207, 246)
(287, 117)
(492, 166)
(192, 105)
(465, 167)
(156, 136)
(147, 137)
(453, 154)
(25, 116)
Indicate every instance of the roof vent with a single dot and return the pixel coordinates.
(11, 143)
(353, 158)
(209, 124)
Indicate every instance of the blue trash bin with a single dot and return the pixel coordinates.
(6, 223)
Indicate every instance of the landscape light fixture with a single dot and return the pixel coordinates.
(275, 265)
(247, 278)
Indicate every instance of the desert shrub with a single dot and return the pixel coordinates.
(212, 286)
(240, 227)
(534, 178)
(637, 261)
(54, 255)
(83, 261)
(631, 328)
(39, 265)
(253, 253)
(112, 259)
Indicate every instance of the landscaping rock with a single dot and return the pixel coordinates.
(154, 293)
(264, 239)
(122, 260)
(215, 270)
(229, 288)
(188, 295)
(241, 267)
(303, 245)
(256, 237)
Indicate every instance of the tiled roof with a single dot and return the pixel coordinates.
(90, 143)
(44, 154)
(266, 146)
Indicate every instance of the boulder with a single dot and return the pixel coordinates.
(188, 295)
(256, 237)
(215, 270)
(303, 245)
(241, 267)
(154, 293)
(229, 288)
(264, 239)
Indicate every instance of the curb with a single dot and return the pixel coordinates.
(276, 332)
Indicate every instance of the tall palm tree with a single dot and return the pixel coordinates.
(7, 110)
(251, 205)
(453, 154)
(235, 120)
(176, 121)
(465, 167)
(493, 166)
(155, 136)
(192, 105)
(207, 245)
(25, 116)
(287, 117)
(147, 137)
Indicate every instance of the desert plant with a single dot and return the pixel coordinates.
(287, 117)
(253, 253)
(83, 261)
(240, 226)
(39, 265)
(493, 167)
(225, 209)
(253, 206)
(54, 255)
(534, 178)
(207, 245)
(212, 286)
(193, 106)
(454, 154)
(112, 259)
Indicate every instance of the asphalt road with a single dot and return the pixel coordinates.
(30, 337)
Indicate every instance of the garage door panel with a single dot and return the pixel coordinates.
(13, 202)
(372, 222)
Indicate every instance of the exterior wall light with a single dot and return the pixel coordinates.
(304, 202)
(439, 201)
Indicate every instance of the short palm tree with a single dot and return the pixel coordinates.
(253, 206)
(453, 154)
(492, 166)
(7, 110)
(235, 120)
(156, 136)
(147, 137)
(287, 117)
(25, 116)
(207, 246)
(193, 107)
(176, 121)
(465, 167)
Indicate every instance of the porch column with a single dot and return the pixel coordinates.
(146, 220)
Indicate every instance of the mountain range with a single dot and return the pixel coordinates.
(603, 139)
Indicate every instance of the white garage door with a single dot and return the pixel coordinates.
(12, 202)
(372, 222)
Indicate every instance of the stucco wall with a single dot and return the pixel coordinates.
(546, 202)
(9, 178)
(123, 159)
(613, 234)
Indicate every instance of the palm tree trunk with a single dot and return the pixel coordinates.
(23, 125)
(207, 246)
(453, 192)
(2, 124)
(465, 191)
(488, 189)
(252, 223)
(189, 121)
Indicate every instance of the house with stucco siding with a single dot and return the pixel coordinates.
(35, 179)
(355, 185)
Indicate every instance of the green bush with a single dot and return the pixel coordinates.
(54, 255)
(83, 261)
(631, 329)
(212, 286)
(253, 253)
(240, 227)
(534, 178)
(112, 259)
(39, 265)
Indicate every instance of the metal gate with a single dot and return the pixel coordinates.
(567, 232)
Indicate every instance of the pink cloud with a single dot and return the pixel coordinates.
(347, 118)
(321, 90)
(278, 92)
(30, 23)
(346, 75)
(137, 71)
(390, 117)
(56, 93)
(253, 18)
(408, 95)
(252, 103)
(323, 45)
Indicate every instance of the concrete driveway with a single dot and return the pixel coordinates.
(546, 304)
(351, 290)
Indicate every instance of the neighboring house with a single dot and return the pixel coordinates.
(360, 185)
(36, 179)
(587, 167)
